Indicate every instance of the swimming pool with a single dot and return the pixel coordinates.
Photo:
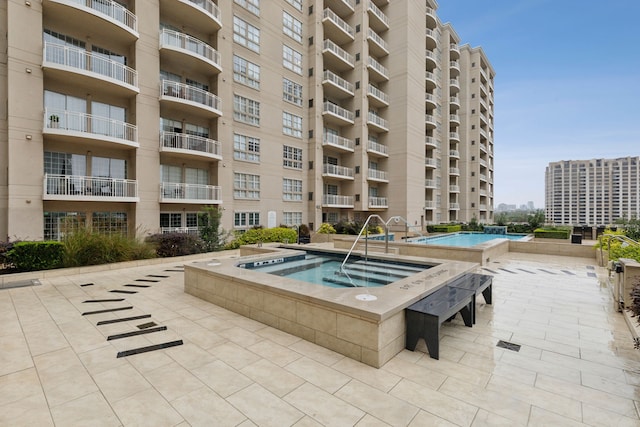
(465, 239)
(327, 270)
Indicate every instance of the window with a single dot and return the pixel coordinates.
(246, 72)
(292, 27)
(246, 186)
(246, 110)
(291, 125)
(292, 190)
(292, 157)
(57, 224)
(292, 92)
(252, 6)
(292, 218)
(296, 3)
(246, 219)
(246, 34)
(246, 148)
(292, 59)
(109, 222)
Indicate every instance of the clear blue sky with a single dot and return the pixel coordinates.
(567, 83)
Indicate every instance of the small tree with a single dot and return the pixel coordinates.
(501, 219)
(213, 236)
(536, 220)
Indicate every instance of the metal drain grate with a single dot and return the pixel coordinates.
(508, 345)
(147, 325)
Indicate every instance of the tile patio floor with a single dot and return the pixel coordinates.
(576, 365)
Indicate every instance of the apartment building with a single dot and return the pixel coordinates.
(592, 192)
(133, 115)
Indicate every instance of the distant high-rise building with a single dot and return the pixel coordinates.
(133, 115)
(592, 192)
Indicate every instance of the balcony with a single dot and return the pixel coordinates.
(432, 38)
(203, 15)
(377, 175)
(454, 84)
(338, 142)
(454, 136)
(187, 145)
(431, 80)
(335, 114)
(454, 119)
(454, 188)
(454, 171)
(454, 67)
(431, 142)
(340, 31)
(378, 71)
(430, 163)
(179, 192)
(430, 121)
(180, 48)
(184, 230)
(454, 153)
(432, 59)
(378, 123)
(335, 86)
(377, 46)
(454, 50)
(377, 98)
(454, 100)
(429, 204)
(377, 149)
(430, 100)
(338, 172)
(96, 18)
(483, 207)
(483, 177)
(335, 57)
(337, 201)
(430, 183)
(454, 206)
(89, 188)
(341, 7)
(191, 99)
(83, 68)
(378, 203)
(377, 19)
(64, 125)
(431, 17)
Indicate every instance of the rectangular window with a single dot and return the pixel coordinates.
(246, 72)
(292, 157)
(296, 3)
(292, 27)
(246, 110)
(246, 148)
(246, 186)
(109, 222)
(246, 219)
(252, 6)
(291, 125)
(292, 218)
(246, 34)
(292, 190)
(58, 224)
(292, 92)
(292, 59)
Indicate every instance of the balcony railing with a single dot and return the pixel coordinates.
(209, 7)
(335, 170)
(378, 13)
(185, 230)
(429, 204)
(431, 162)
(454, 188)
(112, 9)
(454, 153)
(377, 120)
(434, 34)
(454, 82)
(332, 108)
(377, 148)
(71, 121)
(338, 81)
(430, 183)
(428, 118)
(454, 118)
(80, 59)
(175, 39)
(454, 64)
(454, 100)
(191, 93)
(430, 76)
(378, 175)
(378, 202)
(194, 143)
(454, 47)
(59, 186)
(454, 135)
(378, 40)
(374, 91)
(454, 171)
(338, 51)
(183, 192)
(337, 200)
(378, 67)
(339, 22)
(454, 206)
(429, 97)
(338, 141)
(429, 140)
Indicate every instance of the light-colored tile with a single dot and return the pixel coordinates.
(316, 352)
(89, 410)
(487, 419)
(173, 381)
(424, 418)
(272, 377)
(19, 385)
(317, 374)
(542, 417)
(274, 352)
(324, 407)
(27, 412)
(15, 354)
(222, 378)
(202, 406)
(264, 408)
(378, 378)
(146, 408)
(120, 383)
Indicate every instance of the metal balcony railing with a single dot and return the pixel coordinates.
(175, 39)
(339, 22)
(191, 93)
(377, 148)
(89, 186)
(87, 123)
(189, 192)
(336, 170)
(338, 51)
(378, 175)
(337, 200)
(337, 80)
(381, 69)
(378, 202)
(338, 141)
(184, 141)
(114, 10)
(374, 91)
(330, 107)
(377, 120)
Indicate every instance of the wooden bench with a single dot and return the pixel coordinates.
(424, 317)
(476, 283)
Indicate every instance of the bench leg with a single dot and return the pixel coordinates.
(431, 335)
(468, 313)
(486, 293)
(414, 329)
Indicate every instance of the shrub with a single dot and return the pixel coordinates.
(33, 256)
(553, 233)
(84, 247)
(326, 229)
(176, 244)
(5, 247)
(444, 228)
(211, 233)
(304, 230)
(263, 235)
(634, 307)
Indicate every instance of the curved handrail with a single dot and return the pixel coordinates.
(620, 237)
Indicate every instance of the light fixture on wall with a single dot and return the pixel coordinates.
(28, 137)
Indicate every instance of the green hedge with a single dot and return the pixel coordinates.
(553, 233)
(445, 228)
(263, 235)
(33, 256)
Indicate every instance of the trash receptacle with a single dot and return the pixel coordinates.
(576, 238)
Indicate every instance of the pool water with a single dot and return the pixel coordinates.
(465, 239)
(326, 270)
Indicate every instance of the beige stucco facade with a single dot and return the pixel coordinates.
(135, 115)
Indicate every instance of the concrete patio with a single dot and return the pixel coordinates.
(575, 364)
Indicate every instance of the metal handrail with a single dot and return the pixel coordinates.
(620, 237)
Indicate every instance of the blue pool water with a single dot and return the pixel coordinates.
(465, 239)
(323, 269)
